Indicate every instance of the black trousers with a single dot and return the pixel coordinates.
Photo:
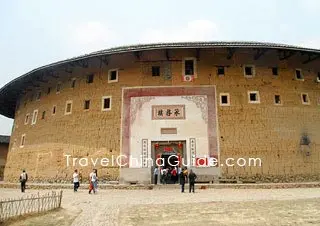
(191, 186)
(155, 179)
(23, 186)
(182, 187)
(76, 186)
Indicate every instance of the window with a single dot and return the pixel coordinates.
(318, 77)
(220, 70)
(106, 103)
(54, 110)
(23, 139)
(43, 114)
(253, 97)
(90, 78)
(26, 119)
(86, 104)
(113, 76)
(299, 75)
(189, 67)
(155, 70)
(58, 88)
(34, 117)
(49, 90)
(224, 99)
(305, 98)
(68, 109)
(249, 71)
(73, 83)
(38, 96)
(277, 100)
(275, 71)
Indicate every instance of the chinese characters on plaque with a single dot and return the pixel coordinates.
(168, 112)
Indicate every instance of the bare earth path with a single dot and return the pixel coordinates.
(167, 207)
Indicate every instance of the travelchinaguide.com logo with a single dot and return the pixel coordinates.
(172, 160)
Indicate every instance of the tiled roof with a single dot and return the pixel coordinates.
(4, 139)
(10, 92)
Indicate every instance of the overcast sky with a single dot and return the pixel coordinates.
(34, 33)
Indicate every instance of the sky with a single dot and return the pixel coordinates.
(35, 33)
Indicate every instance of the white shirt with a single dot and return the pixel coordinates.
(75, 177)
(93, 177)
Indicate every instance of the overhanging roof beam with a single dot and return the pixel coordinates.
(231, 52)
(259, 53)
(311, 58)
(286, 54)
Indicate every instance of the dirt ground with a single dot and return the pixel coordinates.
(299, 206)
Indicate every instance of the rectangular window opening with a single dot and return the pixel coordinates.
(305, 98)
(275, 71)
(73, 83)
(54, 110)
(277, 99)
(49, 90)
(58, 87)
(43, 114)
(23, 137)
(34, 117)
(299, 75)
(318, 77)
(26, 119)
(106, 103)
(189, 67)
(90, 78)
(254, 97)
(248, 71)
(155, 70)
(224, 99)
(86, 104)
(220, 70)
(68, 107)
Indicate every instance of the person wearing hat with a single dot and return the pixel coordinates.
(23, 180)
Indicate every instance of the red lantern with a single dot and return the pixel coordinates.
(156, 145)
(180, 145)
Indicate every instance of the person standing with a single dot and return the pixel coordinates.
(155, 175)
(23, 180)
(93, 181)
(192, 179)
(76, 182)
(182, 180)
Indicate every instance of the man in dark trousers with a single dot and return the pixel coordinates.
(192, 180)
(23, 180)
(183, 177)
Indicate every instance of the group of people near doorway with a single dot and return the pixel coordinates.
(175, 174)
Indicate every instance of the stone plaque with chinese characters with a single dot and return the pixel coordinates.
(168, 112)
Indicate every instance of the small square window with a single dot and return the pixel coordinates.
(253, 97)
(26, 119)
(34, 117)
(43, 114)
(106, 103)
(86, 104)
(249, 71)
(305, 98)
(113, 76)
(189, 67)
(73, 83)
(68, 107)
(275, 71)
(299, 75)
(220, 70)
(155, 70)
(277, 100)
(54, 110)
(23, 139)
(58, 87)
(90, 78)
(224, 99)
(49, 91)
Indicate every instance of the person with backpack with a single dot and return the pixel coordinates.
(23, 180)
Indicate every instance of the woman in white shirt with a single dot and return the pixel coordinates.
(76, 183)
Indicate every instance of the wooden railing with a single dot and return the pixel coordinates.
(36, 203)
